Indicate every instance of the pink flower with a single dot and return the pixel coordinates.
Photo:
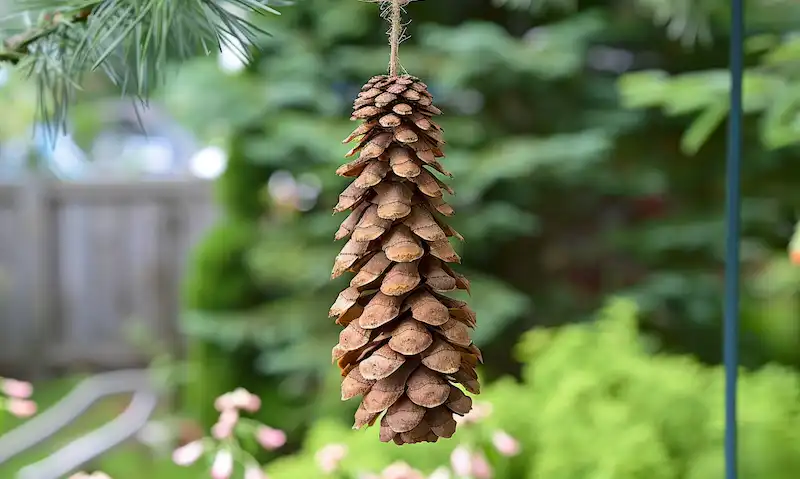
(253, 404)
(222, 467)
(240, 398)
(231, 416)
(225, 424)
(270, 438)
(188, 454)
(329, 457)
(244, 399)
(505, 444)
(401, 470)
(16, 389)
(480, 467)
(222, 430)
(224, 402)
(21, 407)
(461, 461)
(254, 472)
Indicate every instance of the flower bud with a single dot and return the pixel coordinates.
(270, 438)
(401, 470)
(505, 444)
(222, 467)
(188, 454)
(329, 457)
(225, 424)
(243, 399)
(254, 472)
(16, 389)
(21, 407)
(461, 461)
(440, 473)
(480, 467)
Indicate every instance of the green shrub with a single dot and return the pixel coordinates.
(594, 403)
(238, 188)
(218, 279)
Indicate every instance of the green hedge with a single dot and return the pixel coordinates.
(594, 403)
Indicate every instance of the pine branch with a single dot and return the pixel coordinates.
(130, 41)
(16, 47)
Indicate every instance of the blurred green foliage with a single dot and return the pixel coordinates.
(15, 95)
(587, 142)
(770, 90)
(594, 402)
(770, 311)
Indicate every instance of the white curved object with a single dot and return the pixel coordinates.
(82, 450)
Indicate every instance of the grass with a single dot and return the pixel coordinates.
(131, 460)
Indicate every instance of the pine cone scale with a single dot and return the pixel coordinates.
(404, 346)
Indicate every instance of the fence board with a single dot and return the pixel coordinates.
(85, 262)
(11, 334)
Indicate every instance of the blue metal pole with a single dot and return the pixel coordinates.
(733, 237)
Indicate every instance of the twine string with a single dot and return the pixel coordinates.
(392, 11)
(394, 37)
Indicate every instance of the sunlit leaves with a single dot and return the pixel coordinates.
(595, 402)
(767, 91)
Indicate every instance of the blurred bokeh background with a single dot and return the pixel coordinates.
(587, 141)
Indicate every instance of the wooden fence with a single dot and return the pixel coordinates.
(81, 263)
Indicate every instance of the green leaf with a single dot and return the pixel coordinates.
(695, 91)
(760, 43)
(787, 52)
(645, 89)
(702, 127)
(779, 126)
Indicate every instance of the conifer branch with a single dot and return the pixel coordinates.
(16, 46)
(130, 41)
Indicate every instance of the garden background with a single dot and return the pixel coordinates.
(587, 143)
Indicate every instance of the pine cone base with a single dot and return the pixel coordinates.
(405, 345)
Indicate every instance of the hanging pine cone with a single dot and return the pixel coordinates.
(404, 344)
